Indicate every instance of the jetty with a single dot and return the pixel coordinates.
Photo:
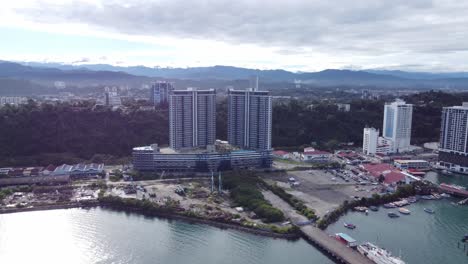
(454, 190)
(334, 248)
(329, 245)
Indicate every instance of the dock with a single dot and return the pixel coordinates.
(337, 250)
(329, 245)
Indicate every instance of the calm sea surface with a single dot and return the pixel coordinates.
(103, 236)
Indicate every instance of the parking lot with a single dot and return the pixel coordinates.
(324, 190)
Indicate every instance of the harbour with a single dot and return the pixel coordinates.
(431, 233)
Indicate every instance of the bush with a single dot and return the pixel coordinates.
(244, 192)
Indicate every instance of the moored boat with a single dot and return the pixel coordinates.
(349, 225)
(360, 208)
(429, 211)
(427, 197)
(393, 215)
(389, 205)
(378, 255)
(404, 211)
(374, 208)
(445, 195)
(412, 199)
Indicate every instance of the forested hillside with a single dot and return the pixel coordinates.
(33, 134)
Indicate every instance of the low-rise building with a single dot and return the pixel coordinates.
(313, 155)
(153, 158)
(344, 107)
(385, 172)
(412, 165)
(79, 170)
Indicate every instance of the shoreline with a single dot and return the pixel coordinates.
(168, 216)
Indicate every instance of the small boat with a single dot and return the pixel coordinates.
(404, 211)
(389, 205)
(427, 197)
(412, 199)
(349, 225)
(360, 208)
(393, 215)
(445, 195)
(465, 238)
(429, 211)
(373, 208)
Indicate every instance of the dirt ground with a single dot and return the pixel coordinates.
(198, 197)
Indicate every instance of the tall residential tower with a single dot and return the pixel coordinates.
(398, 117)
(453, 145)
(249, 119)
(192, 118)
(160, 92)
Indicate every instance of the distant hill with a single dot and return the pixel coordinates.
(103, 74)
(48, 75)
(227, 73)
(420, 75)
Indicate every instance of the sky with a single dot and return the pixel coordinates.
(295, 35)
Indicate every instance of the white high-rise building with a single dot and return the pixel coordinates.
(453, 145)
(398, 117)
(369, 141)
(373, 144)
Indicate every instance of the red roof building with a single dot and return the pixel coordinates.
(390, 173)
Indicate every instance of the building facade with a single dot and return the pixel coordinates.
(192, 118)
(373, 144)
(112, 99)
(369, 140)
(398, 117)
(151, 158)
(160, 91)
(453, 144)
(12, 100)
(249, 119)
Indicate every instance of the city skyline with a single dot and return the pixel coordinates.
(264, 35)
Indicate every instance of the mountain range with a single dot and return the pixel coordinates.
(45, 73)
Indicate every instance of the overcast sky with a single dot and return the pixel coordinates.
(297, 35)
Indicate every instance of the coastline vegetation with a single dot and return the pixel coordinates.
(172, 208)
(296, 203)
(244, 190)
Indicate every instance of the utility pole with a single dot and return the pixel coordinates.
(212, 181)
(220, 186)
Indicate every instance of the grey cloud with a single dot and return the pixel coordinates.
(366, 27)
